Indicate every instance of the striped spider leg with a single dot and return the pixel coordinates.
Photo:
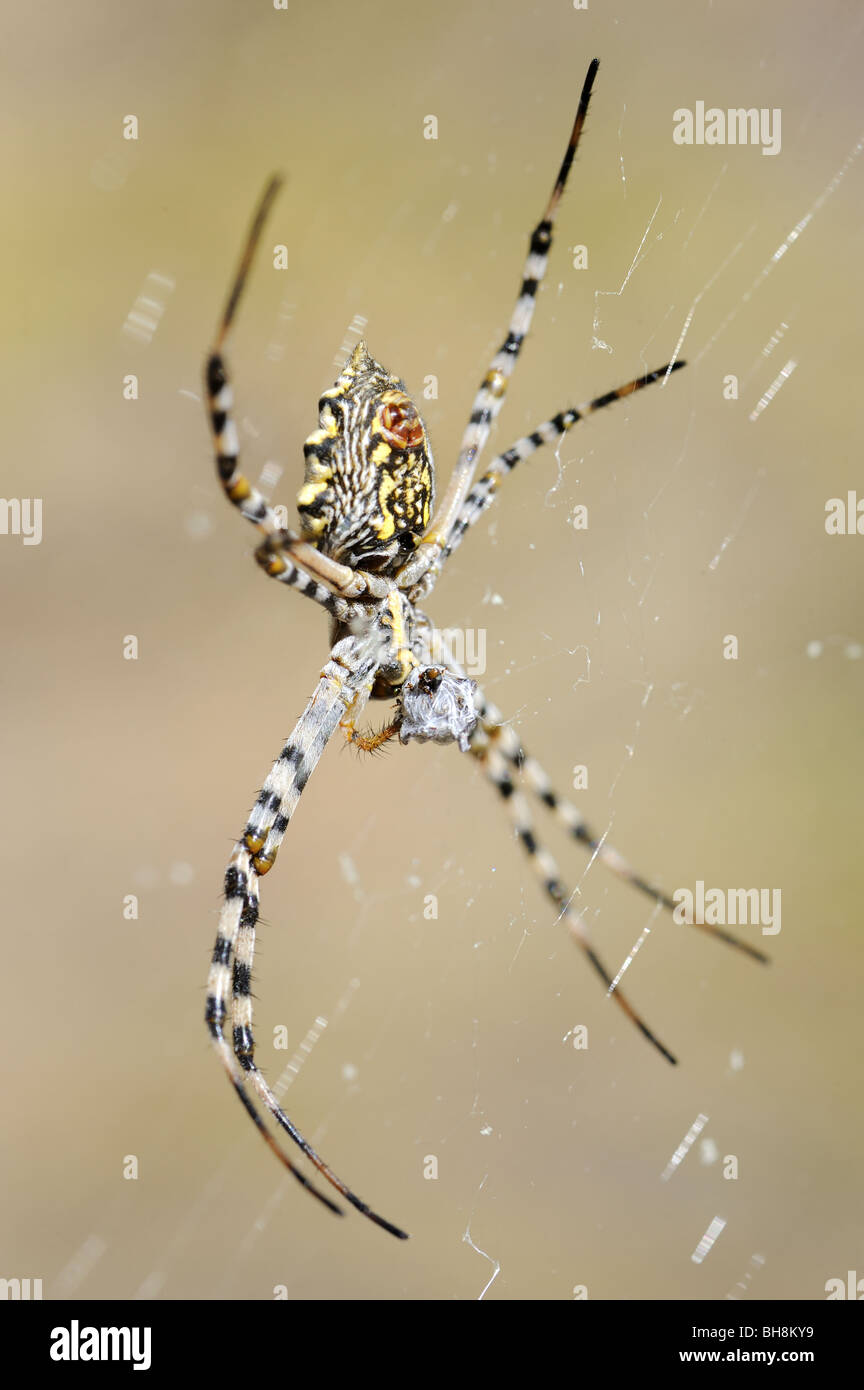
(494, 733)
(345, 683)
(512, 772)
(369, 548)
(366, 648)
(427, 562)
(366, 498)
(482, 494)
(492, 741)
(510, 769)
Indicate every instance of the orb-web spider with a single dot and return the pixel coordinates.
(370, 548)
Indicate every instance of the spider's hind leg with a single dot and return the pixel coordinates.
(490, 395)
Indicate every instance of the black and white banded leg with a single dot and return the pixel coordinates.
(489, 398)
(546, 870)
(282, 554)
(550, 431)
(346, 678)
(537, 780)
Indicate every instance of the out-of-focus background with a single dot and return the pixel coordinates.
(446, 1039)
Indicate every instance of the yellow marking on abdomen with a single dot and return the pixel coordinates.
(309, 491)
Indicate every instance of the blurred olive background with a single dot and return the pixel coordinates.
(447, 1038)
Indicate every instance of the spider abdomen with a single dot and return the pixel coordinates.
(369, 488)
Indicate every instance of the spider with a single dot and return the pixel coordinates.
(370, 548)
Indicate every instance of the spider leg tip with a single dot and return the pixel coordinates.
(387, 1226)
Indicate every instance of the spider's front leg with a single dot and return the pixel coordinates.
(507, 766)
(347, 676)
(528, 770)
(503, 759)
(483, 746)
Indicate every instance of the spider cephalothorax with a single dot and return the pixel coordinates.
(369, 553)
(369, 487)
